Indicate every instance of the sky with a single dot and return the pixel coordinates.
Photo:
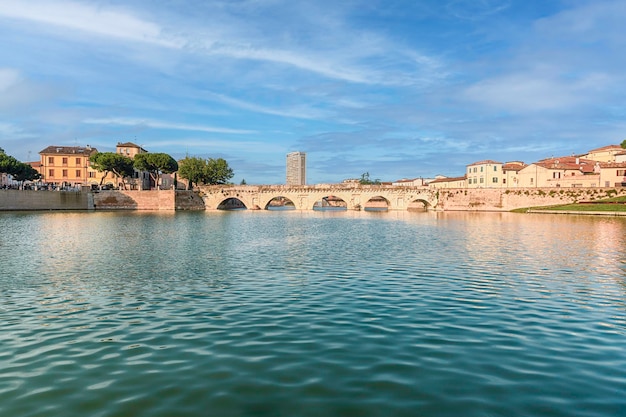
(394, 88)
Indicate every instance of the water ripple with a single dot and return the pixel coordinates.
(290, 314)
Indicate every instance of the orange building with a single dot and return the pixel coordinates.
(129, 149)
(67, 165)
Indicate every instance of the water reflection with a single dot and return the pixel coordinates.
(301, 313)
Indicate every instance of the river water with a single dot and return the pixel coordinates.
(312, 314)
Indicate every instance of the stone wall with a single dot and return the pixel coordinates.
(189, 200)
(485, 199)
(147, 200)
(43, 200)
(134, 200)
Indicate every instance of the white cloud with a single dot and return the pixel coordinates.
(17, 92)
(155, 124)
(476, 9)
(214, 146)
(87, 18)
(299, 112)
(349, 58)
(8, 78)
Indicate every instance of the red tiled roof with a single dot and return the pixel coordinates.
(606, 148)
(568, 163)
(612, 164)
(80, 150)
(513, 166)
(485, 162)
(449, 179)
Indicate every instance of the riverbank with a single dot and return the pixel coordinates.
(579, 212)
(155, 200)
(396, 198)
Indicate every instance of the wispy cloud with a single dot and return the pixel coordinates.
(476, 9)
(536, 92)
(8, 78)
(299, 112)
(88, 18)
(155, 124)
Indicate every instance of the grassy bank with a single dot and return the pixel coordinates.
(615, 204)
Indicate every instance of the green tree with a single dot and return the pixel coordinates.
(18, 170)
(217, 171)
(192, 169)
(155, 164)
(623, 144)
(243, 182)
(365, 179)
(7, 163)
(25, 172)
(119, 165)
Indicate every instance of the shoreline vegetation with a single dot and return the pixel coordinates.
(609, 206)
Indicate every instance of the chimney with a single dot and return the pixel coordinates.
(577, 160)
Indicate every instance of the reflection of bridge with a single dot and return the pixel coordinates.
(304, 197)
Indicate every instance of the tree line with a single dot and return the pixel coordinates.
(195, 170)
(20, 171)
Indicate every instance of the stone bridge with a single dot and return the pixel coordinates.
(304, 197)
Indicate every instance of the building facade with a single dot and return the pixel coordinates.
(67, 166)
(484, 174)
(510, 174)
(605, 153)
(141, 179)
(565, 171)
(448, 182)
(296, 168)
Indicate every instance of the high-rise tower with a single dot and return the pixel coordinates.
(296, 168)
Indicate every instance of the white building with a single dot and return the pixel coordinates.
(296, 168)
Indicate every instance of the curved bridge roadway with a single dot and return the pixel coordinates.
(304, 197)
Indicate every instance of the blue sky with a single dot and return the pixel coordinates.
(396, 88)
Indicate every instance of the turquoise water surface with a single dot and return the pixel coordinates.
(312, 314)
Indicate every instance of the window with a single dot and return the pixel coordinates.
(495, 167)
(77, 161)
(531, 180)
(92, 174)
(51, 172)
(621, 172)
(78, 173)
(64, 160)
(481, 169)
(482, 180)
(494, 180)
(475, 169)
(503, 180)
(65, 173)
(556, 175)
(51, 159)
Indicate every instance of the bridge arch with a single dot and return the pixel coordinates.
(304, 197)
(376, 203)
(418, 204)
(280, 203)
(231, 203)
